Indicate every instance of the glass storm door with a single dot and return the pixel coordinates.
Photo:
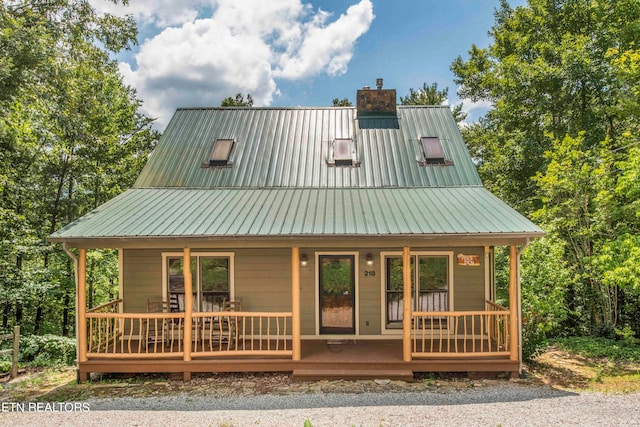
(337, 294)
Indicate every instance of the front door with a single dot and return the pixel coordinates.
(337, 294)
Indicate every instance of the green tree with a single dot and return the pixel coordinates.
(238, 101)
(547, 75)
(72, 136)
(563, 79)
(431, 95)
(344, 102)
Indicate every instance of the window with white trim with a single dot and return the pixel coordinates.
(431, 281)
(212, 280)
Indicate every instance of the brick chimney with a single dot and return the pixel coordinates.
(378, 102)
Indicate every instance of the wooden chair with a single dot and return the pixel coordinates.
(234, 322)
(153, 328)
(232, 305)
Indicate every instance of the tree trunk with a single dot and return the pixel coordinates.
(5, 315)
(65, 314)
(18, 314)
(38, 320)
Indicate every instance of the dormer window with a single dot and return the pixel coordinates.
(342, 152)
(432, 151)
(221, 152)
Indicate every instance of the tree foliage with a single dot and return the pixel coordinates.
(238, 101)
(344, 102)
(560, 142)
(431, 95)
(72, 137)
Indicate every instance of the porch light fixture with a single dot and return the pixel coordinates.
(369, 259)
(303, 260)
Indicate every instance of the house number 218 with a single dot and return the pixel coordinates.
(369, 273)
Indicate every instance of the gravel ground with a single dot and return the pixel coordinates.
(509, 404)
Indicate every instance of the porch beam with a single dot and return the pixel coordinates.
(188, 305)
(406, 307)
(513, 304)
(82, 305)
(295, 303)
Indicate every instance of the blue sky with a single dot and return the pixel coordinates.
(296, 53)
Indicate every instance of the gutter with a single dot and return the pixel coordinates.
(518, 291)
(71, 255)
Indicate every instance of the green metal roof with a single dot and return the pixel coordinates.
(232, 212)
(281, 185)
(288, 147)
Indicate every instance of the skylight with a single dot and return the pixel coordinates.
(343, 152)
(432, 150)
(221, 152)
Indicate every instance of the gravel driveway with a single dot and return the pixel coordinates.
(506, 404)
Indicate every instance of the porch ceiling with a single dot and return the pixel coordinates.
(300, 212)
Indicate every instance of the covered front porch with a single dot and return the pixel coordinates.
(110, 340)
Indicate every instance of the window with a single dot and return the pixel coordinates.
(342, 152)
(221, 152)
(431, 282)
(212, 281)
(432, 150)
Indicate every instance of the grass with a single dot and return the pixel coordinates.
(614, 350)
(588, 363)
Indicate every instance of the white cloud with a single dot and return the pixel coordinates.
(160, 13)
(474, 110)
(242, 47)
(326, 48)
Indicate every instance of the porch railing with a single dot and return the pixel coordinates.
(135, 335)
(230, 333)
(161, 335)
(459, 334)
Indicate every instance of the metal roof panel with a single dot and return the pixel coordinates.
(273, 212)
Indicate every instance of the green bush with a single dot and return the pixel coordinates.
(47, 350)
(534, 340)
(625, 349)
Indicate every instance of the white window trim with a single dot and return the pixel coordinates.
(383, 285)
(230, 255)
(356, 262)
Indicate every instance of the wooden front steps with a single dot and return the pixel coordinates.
(352, 374)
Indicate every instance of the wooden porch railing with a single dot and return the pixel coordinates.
(234, 333)
(135, 335)
(161, 335)
(109, 307)
(460, 334)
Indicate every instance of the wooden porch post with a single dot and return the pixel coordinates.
(406, 307)
(188, 307)
(513, 304)
(82, 306)
(295, 303)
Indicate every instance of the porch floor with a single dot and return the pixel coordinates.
(320, 359)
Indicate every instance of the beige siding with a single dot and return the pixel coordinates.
(263, 279)
(308, 294)
(263, 282)
(369, 294)
(469, 288)
(142, 277)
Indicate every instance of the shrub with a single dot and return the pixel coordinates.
(534, 339)
(617, 350)
(47, 350)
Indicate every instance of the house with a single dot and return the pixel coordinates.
(344, 241)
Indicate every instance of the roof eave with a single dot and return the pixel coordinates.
(119, 241)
